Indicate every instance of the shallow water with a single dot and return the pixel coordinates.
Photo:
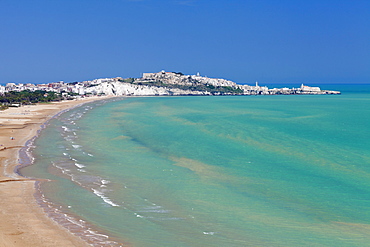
(213, 171)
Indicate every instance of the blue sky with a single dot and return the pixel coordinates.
(282, 41)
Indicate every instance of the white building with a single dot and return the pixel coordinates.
(309, 89)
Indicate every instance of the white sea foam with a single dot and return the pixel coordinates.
(105, 198)
(78, 226)
(73, 178)
(69, 138)
(154, 209)
(161, 211)
(79, 165)
(171, 218)
(66, 129)
(64, 171)
(76, 146)
(139, 216)
(95, 233)
(75, 222)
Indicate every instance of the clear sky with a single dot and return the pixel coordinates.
(282, 41)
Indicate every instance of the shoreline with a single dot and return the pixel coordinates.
(23, 221)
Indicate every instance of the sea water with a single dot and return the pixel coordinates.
(211, 171)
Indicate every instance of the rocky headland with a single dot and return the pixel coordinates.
(172, 83)
(162, 83)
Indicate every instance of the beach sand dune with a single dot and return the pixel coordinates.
(23, 222)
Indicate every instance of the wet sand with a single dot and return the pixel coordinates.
(23, 222)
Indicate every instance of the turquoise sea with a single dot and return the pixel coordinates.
(211, 171)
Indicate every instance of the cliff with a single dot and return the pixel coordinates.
(172, 83)
(121, 88)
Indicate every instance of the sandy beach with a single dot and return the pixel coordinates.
(23, 222)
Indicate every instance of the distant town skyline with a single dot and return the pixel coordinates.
(317, 41)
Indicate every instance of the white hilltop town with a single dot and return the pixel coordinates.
(160, 84)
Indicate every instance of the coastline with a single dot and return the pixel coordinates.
(206, 232)
(23, 221)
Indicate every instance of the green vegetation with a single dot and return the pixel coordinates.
(71, 94)
(27, 97)
(178, 73)
(127, 80)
